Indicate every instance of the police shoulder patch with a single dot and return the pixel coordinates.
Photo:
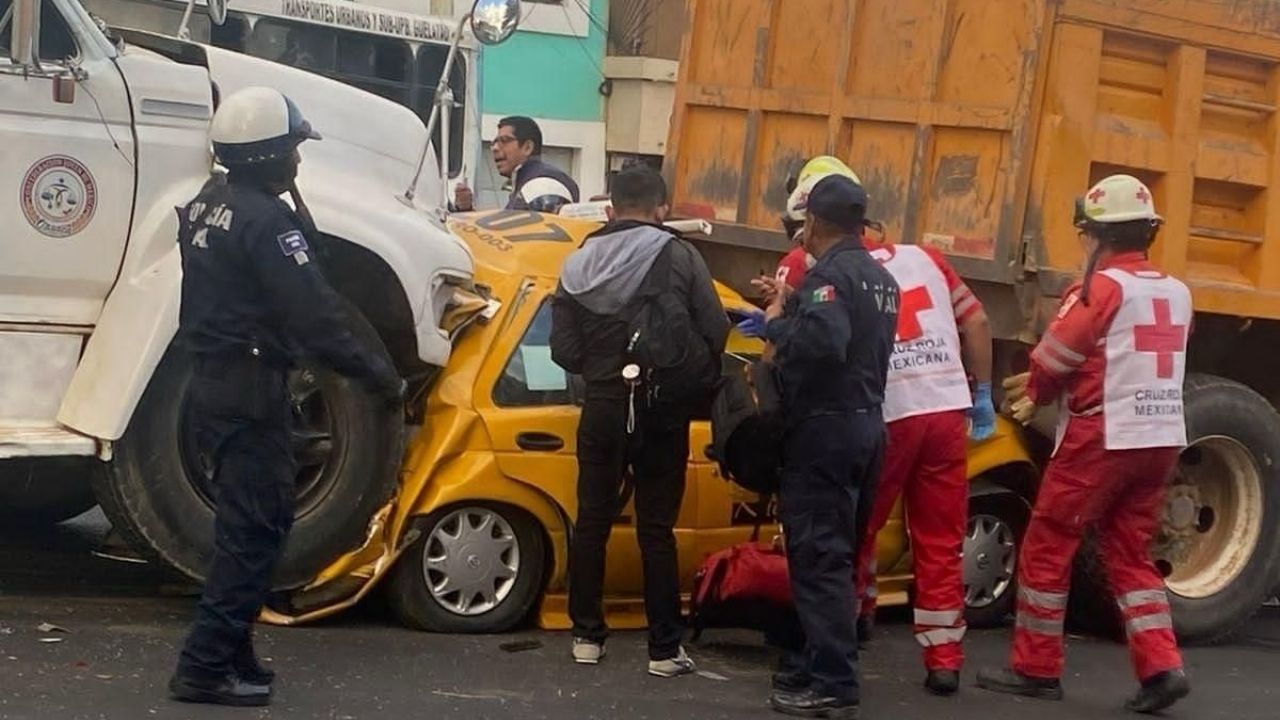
(291, 243)
(824, 294)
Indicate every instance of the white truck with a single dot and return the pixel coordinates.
(102, 134)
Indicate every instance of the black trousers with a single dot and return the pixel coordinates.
(243, 424)
(657, 453)
(831, 465)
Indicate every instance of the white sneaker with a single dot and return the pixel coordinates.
(587, 652)
(681, 664)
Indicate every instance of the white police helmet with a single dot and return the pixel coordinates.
(257, 125)
(545, 195)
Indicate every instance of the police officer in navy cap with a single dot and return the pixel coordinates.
(830, 341)
(253, 302)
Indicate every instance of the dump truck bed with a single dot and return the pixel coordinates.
(974, 125)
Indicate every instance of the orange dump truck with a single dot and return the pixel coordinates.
(974, 124)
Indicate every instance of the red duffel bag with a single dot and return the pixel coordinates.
(744, 586)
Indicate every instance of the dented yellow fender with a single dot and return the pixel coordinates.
(466, 451)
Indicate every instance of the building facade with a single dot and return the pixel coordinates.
(552, 70)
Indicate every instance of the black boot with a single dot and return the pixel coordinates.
(229, 691)
(249, 669)
(1015, 683)
(866, 626)
(1159, 692)
(942, 682)
(791, 681)
(811, 703)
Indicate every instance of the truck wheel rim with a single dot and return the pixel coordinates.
(990, 557)
(1212, 519)
(313, 441)
(470, 561)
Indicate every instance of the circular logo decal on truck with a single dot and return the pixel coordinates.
(58, 196)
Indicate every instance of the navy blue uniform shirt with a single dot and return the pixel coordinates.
(250, 280)
(833, 341)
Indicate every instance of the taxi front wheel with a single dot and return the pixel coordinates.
(476, 568)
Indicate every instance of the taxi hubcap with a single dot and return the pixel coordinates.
(989, 560)
(470, 561)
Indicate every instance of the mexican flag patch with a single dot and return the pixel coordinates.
(826, 293)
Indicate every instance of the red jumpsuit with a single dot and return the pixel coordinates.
(926, 398)
(793, 267)
(1117, 367)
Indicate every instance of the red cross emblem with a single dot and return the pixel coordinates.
(1163, 338)
(1143, 195)
(1096, 195)
(913, 302)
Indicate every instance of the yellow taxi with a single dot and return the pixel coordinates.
(477, 538)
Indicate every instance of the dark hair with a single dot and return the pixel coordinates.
(1131, 235)
(525, 130)
(638, 189)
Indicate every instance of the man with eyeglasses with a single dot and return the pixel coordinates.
(535, 184)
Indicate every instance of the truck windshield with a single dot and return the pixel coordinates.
(385, 66)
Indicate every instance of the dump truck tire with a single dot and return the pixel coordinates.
(159, 492)
(1219, 544)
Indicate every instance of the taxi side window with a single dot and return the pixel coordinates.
(56, 42)
(531, 378)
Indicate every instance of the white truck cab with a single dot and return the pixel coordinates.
(104, 134)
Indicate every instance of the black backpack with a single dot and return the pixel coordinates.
(677, 371)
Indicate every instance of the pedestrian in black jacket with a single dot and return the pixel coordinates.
(598, 292)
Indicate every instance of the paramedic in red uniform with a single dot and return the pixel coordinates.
(942, 332)
(1114, 358)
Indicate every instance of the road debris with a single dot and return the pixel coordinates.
(50, 627)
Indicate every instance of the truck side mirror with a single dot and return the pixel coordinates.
(25, 40)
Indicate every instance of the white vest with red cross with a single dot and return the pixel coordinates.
(926, 372)
(1146, 348)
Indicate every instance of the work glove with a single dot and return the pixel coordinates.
(1015, 387)
(752, 323)
(982, 416)
(1023, 410)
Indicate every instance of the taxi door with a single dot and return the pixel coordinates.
(529, 405)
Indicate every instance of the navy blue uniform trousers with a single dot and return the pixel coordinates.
(243, 425)
(831, 465)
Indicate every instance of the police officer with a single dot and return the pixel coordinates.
(831, 340)
(253, 301)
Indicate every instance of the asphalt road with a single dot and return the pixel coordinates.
(123, 625)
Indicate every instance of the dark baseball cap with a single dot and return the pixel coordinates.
(840, 201)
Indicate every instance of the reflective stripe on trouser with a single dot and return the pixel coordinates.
(937, 629)
(925, 465)
(1120, 493)
(1148, 626)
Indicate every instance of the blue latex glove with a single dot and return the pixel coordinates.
(752, 324)
(982, 416)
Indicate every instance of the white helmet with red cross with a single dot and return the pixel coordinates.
(813, 171)
(1117, 199)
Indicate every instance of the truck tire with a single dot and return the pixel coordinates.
(158, 492)
(477, 568)
(991, 544)
(1219, 545)
(39, 492)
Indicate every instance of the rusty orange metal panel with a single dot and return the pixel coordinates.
(802, 56)
(961, 210)
(785, 143)
(882, 153)
(725, 40)
(709, 167)
(976, 123)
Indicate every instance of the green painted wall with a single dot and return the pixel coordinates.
(545, 75)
